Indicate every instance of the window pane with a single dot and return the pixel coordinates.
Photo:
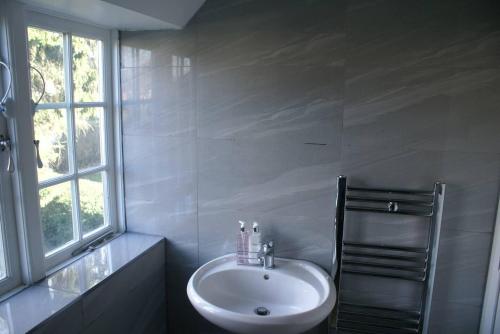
(56, 215)
(46, 55)
(89, 123)
(3, 267)
(92, 202)
(87, 71)
(51, 129)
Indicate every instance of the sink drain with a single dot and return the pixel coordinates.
(261, 311)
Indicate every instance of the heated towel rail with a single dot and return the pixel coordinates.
(414, 264)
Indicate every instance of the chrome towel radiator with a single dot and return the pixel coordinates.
(415, 264)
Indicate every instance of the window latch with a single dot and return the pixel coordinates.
(5, 145)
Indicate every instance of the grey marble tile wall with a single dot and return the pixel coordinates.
(253, 109)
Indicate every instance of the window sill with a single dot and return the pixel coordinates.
(34, 305)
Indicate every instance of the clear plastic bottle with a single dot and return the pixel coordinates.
(254, 244)
(242, 245)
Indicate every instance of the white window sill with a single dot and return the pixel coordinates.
(36, 304)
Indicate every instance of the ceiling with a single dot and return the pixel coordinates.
(123, 14)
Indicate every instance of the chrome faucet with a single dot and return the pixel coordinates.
(267, 257)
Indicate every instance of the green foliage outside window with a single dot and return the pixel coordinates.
(51, 128)
(56, 211)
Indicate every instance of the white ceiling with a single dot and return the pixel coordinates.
(124, 14)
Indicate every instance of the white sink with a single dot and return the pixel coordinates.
(297, 294)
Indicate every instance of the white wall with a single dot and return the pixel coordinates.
(123, 15)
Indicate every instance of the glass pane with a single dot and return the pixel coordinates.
(92, 202)
(56, 215)
(46, 55)
(3, 267)
(89, 123)
(51, 129)
(87, 71)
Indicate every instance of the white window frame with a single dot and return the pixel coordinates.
(70, 28)
(19, 191)
(490, 317)
(9, 233)
(8, 224)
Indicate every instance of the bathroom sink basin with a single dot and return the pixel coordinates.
(292, 298)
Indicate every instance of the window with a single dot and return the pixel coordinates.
(73, 133)
(3, 265)
(10, 270)
(62, 70)
(9, 266)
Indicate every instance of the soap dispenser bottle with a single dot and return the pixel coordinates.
(242, 245)
(254, 244)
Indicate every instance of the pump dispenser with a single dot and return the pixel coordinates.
(254, 244)
(242, 245)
